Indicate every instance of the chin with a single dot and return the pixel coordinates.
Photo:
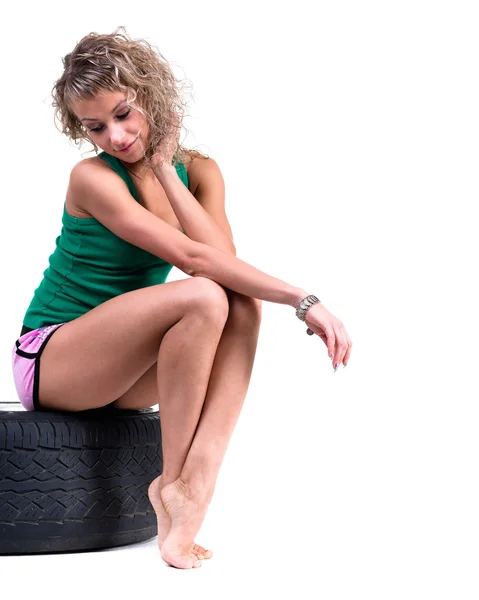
(129, 157)
(135, 155)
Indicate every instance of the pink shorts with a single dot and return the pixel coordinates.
(26, 364)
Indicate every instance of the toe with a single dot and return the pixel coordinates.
(202, 551)
(181, 561)
(194, 561)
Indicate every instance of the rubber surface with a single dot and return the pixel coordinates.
(77, 481)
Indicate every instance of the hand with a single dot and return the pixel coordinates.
(168, 145)
(332, 331)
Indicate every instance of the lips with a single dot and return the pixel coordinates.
(126, 147)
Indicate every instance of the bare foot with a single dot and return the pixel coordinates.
(187, 513)
(164, 521)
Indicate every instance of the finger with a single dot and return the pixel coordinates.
(319, 332)
(345, 345)
(331, 342)
(327, 336)
(348, 351)
(324, 338)
(341, 346)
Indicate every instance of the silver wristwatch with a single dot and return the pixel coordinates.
(303, 307)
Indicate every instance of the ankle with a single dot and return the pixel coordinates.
(197, 486)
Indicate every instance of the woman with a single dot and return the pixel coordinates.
(123, 336)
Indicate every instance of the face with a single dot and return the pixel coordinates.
(114, 126)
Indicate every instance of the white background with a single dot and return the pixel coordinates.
(347, 134)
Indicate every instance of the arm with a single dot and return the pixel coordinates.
(198, 224)
(106, 197)
(190, 212)
(239, 276)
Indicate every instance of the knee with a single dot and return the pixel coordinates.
(210, 295)
(246, 312)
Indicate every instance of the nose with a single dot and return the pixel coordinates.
(117, 136)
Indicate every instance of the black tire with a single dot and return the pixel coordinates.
(77, 481)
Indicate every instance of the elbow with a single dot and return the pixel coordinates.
(202, 255)
(189, 266)
(195, 259)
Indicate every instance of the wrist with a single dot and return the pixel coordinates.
(165, 170)
(297, 294)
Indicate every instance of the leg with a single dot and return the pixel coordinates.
(187, 498)
(91, 361)
(178, 383)
(227, 389)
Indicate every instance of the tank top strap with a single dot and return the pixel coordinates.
(181, 171)
(119, 168)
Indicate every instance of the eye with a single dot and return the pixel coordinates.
(122, 116)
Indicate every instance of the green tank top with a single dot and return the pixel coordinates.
(91, 265)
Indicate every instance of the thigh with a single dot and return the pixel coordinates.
(244, 312)
(142, 394)
(93, 360)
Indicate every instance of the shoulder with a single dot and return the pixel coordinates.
(90, 167)
(199, 163)
(92, 162)
(200, 168)
(94, 167)
(83, 174)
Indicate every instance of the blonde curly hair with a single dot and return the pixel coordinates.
(115, 62)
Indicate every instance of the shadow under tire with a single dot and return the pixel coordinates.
(77, 481)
